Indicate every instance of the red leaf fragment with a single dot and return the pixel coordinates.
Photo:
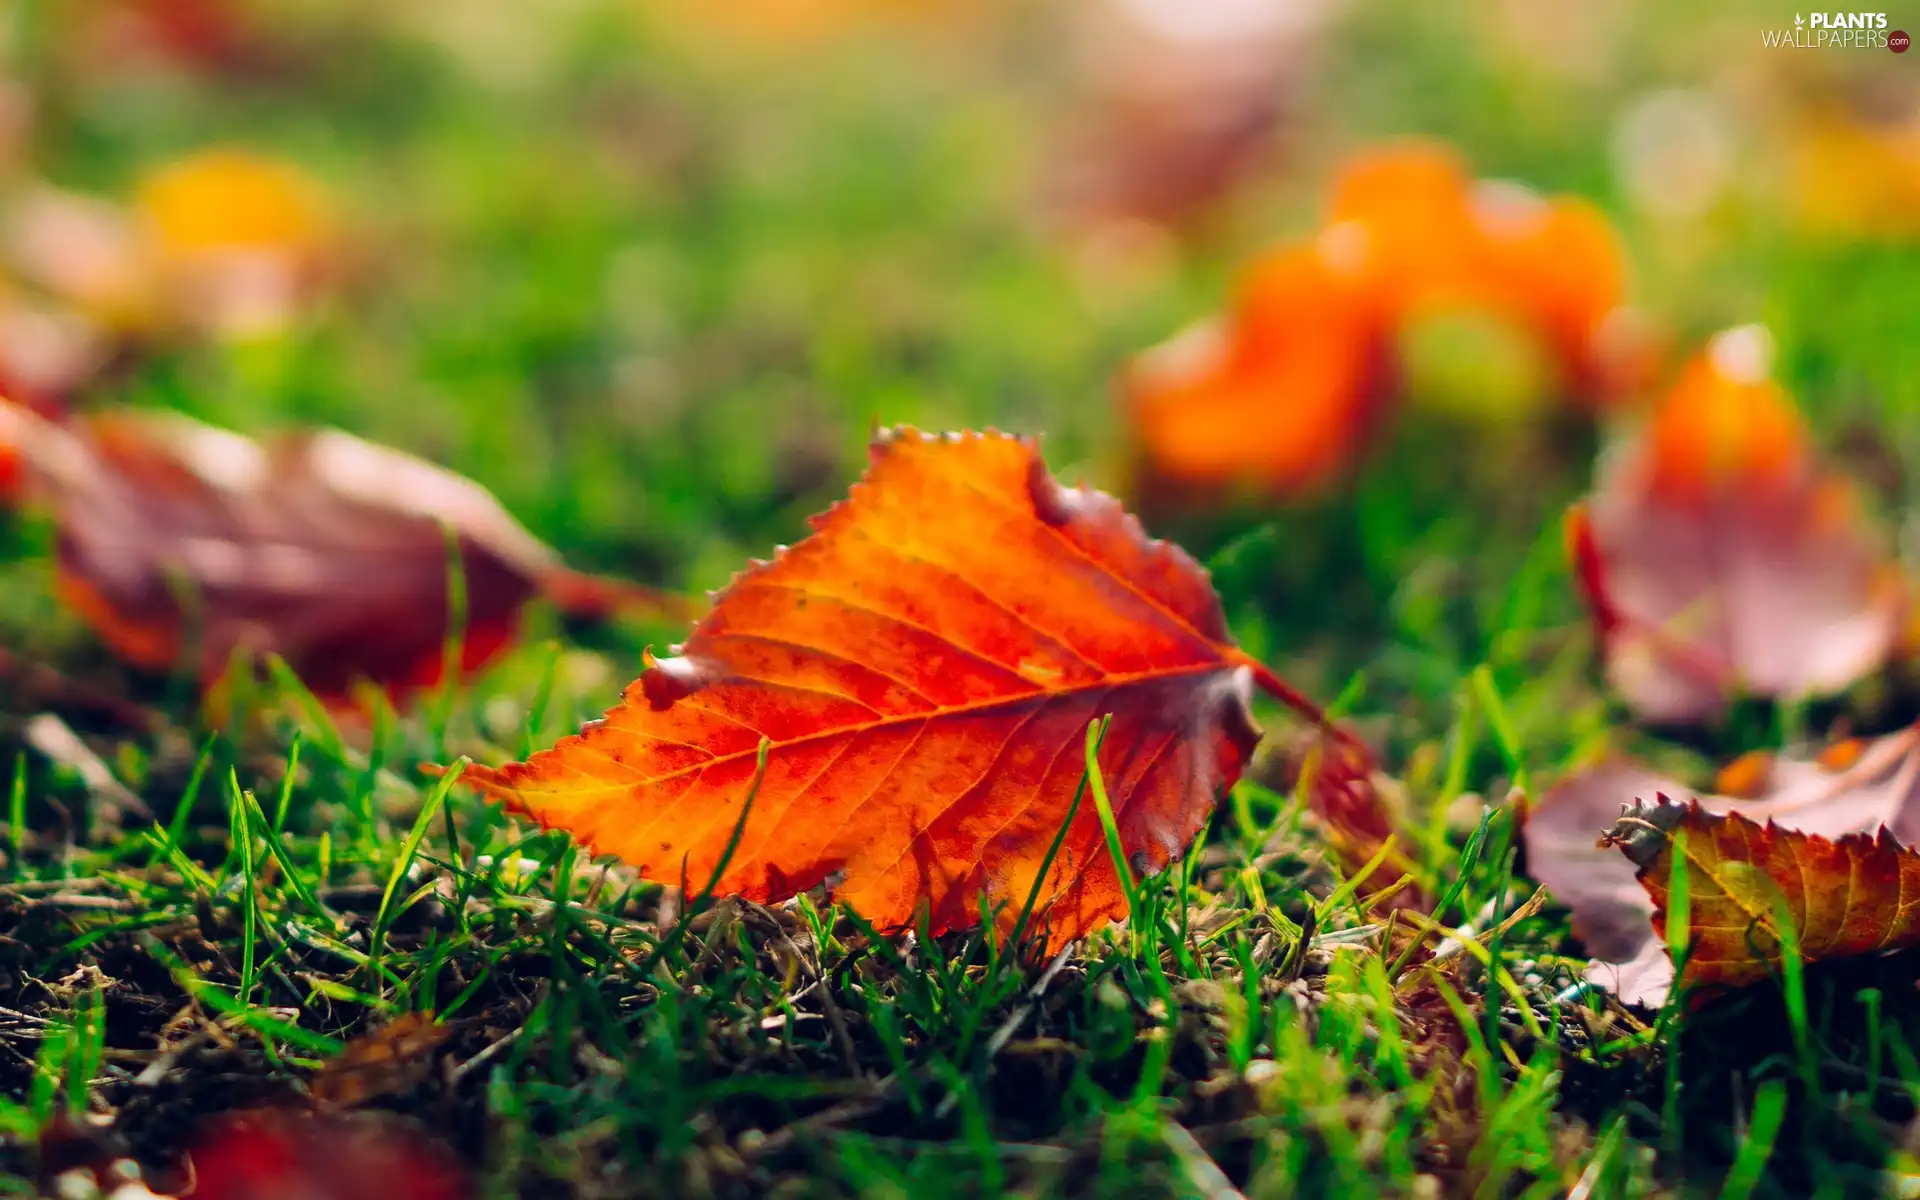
(277, 1155)
(1351, 797)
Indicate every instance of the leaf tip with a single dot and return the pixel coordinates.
(1642, 831)
(667, 680)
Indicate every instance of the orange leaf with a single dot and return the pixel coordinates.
(1289, 390)
(1718, 557)
(1409, 203)
(1753, 887)
(924, 669)
(1557, 267)
(1725, 428)
(319, 547)
(222, 200)
(1436, 240)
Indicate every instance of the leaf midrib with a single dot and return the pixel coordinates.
(1232, 659)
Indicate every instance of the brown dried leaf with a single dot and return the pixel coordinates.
(329, 551)
(1286, 389)
(1362, 812)
(276, 1155)
(1181, 100)
(386, 1061)
(1861, 789)
(1758, 889)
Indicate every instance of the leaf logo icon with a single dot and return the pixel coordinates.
(1799, 22)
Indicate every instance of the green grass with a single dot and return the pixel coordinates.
(655, 300)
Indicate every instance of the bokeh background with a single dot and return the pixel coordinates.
(651, 271)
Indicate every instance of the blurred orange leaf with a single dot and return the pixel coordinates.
(1718, 557)
(1754, 890)
(1286, 389)
(178, 538)
(1408, 201)
(923, 671)
(223, 199)
(1437, 240)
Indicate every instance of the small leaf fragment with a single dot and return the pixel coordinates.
(382, 1062)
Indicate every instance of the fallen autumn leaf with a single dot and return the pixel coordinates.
(1754, 890)
(1858, 788)
(1287, 388)
(1719, 558)
(278, 1155)
(329, 551)
(923, 671)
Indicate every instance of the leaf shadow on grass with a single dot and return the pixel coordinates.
(1860, 1048)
